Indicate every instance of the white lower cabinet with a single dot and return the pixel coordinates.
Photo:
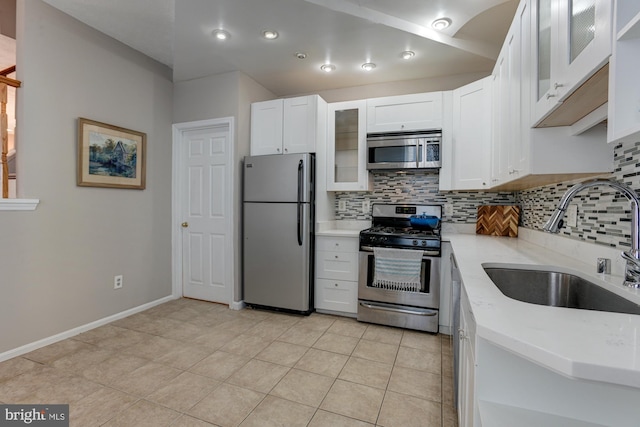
(498, 388)
(466, 366)
(336, 284)
(337, 295)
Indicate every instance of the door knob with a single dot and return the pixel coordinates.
(185, 224)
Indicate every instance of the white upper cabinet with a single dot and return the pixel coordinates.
(470, 144)
(346, 147)
(405, 113)
(525, 157)
(266, 127)
(284, 126)
(572, 40)
(510, 135)
(624, 84)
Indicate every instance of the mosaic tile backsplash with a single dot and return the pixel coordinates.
(603, 215)
(421, 188)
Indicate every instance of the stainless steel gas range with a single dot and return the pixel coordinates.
(401, 227)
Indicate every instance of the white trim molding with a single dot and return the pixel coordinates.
(176, 185)
(237, 305)
(80, 329)
(18, 204)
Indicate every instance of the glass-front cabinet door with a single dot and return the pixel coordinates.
(346, 148)
(543, 36)
(572, 41)
(584, 44)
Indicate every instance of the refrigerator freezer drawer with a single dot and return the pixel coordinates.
(277, 269)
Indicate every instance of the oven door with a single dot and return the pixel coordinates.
(428, 297)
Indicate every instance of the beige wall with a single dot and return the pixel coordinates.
(57, 263)
(213, 97)
(404, 87)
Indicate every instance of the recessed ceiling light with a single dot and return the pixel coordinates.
(368, 66)
(301, 55)
(221, 34)
(328, 68)
(407, 54)
(441, 24)
(270, 34)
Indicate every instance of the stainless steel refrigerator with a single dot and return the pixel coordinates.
(278, 227)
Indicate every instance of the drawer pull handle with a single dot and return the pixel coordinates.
(335, 284)
(336, 256)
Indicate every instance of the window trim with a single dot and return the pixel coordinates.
(19, 204)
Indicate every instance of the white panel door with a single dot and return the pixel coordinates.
(206, 223)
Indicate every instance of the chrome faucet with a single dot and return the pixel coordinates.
(632, 257)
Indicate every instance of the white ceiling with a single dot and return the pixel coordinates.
(347, 33)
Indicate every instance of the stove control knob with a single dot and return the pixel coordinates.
(424, 243)
(415, 243)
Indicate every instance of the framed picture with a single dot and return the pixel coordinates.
(110, 156)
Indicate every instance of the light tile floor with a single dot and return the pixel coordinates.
(190, 363)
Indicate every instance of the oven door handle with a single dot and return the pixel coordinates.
(399, 310)
(425, 254)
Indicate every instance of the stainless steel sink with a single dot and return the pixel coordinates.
(557, 289)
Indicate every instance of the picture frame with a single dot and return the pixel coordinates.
(110, 156)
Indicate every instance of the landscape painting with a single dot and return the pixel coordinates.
(110, 156)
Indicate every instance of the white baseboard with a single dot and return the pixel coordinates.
(445, 330)
(80, 329)
(337, 313)
(237, 305)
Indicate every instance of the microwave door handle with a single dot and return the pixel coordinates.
(418, 152)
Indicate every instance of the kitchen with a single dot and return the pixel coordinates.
(335, 288)
(610, 231)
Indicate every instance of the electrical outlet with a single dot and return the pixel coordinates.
(448, 210)
(572, 216)
(117, 282)
(366, 206)
(342, 205)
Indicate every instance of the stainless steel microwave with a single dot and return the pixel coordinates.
(402, 150)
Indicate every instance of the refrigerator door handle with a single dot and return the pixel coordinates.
(300, 195)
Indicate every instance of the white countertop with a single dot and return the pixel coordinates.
(344, 228)
(582, 344)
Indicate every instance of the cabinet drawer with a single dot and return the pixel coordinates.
(337, 244)
(337, 265)
(336, 295)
